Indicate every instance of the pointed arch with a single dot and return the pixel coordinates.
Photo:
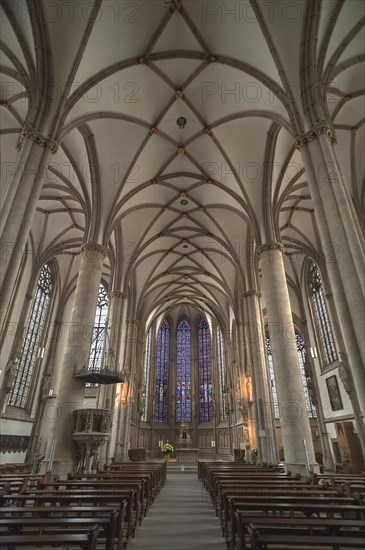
(183, 372)
(146, 370)
(162, 372)
(95, 361)
(321, 317)
(205, 372)
(31, 349)
(221, 374)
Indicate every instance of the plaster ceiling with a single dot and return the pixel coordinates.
(120, 74)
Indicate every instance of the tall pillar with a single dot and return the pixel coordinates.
(343, 247)
(230, 392)
(124, 414)
(70, 393)
(265, 421)
(107, 393)
(294, 422)
(18, 207)
(216, 385)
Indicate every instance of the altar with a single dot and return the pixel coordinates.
(187, 455)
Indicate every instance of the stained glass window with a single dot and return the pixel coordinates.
(99, 332)
(272, 377)
(221, 375)
(321, 316)
(147, 366)
(205, 372)
(183, 370)
(301, 357)
(162, 372)
(33, 338)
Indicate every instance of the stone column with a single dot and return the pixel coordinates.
(216, 387)
(230, 393)
(263, 414)
(294, 422)
(18, 207)
(108, 392)
(125, 410)
(70, 393)
(343, 247)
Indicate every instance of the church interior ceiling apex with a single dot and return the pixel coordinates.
(175, 130)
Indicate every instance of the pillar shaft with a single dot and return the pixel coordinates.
(106, 398)
(18, 208)
(263, 414)
(343, 247)
(125, 411)
(70, 393)
(112, 345)
(294, 422)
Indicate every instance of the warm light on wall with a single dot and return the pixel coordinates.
(249, 390)
(121, 395)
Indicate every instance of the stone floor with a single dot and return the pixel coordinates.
(181, 518)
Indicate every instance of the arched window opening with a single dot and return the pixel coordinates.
(301, 357)
(183, 370)
(321, 316)
(99, 333)
(272, 377)
(31, 349)
(162, 372)
(146, 371)
(221, 375)
(205, 372)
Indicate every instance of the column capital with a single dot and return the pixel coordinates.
(28, 132)
(317, 130)
(132, 321)
(270, 246)
(94, 247)
(117, 294)
(252, 292)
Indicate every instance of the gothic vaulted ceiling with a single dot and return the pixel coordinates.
(179, 205)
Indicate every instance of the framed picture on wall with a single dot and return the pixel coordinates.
(334, 393)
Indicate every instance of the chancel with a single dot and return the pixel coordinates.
(182, 249)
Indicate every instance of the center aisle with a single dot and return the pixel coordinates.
(182, 517)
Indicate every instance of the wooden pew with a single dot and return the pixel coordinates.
(106, 487)
(112, 519)
(294, 540)
(304, 526)
(289, 509)
(268, 492)
(77, 500)
(84, 541)
(55, 525)
(153, 474)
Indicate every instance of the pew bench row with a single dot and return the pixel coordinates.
(97, 513)
(272, 510)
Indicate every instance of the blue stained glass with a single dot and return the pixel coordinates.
(183, 370)
(205, 373)
(162, 372)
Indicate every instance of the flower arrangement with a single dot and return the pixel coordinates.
(167, 448)
(254, 449)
